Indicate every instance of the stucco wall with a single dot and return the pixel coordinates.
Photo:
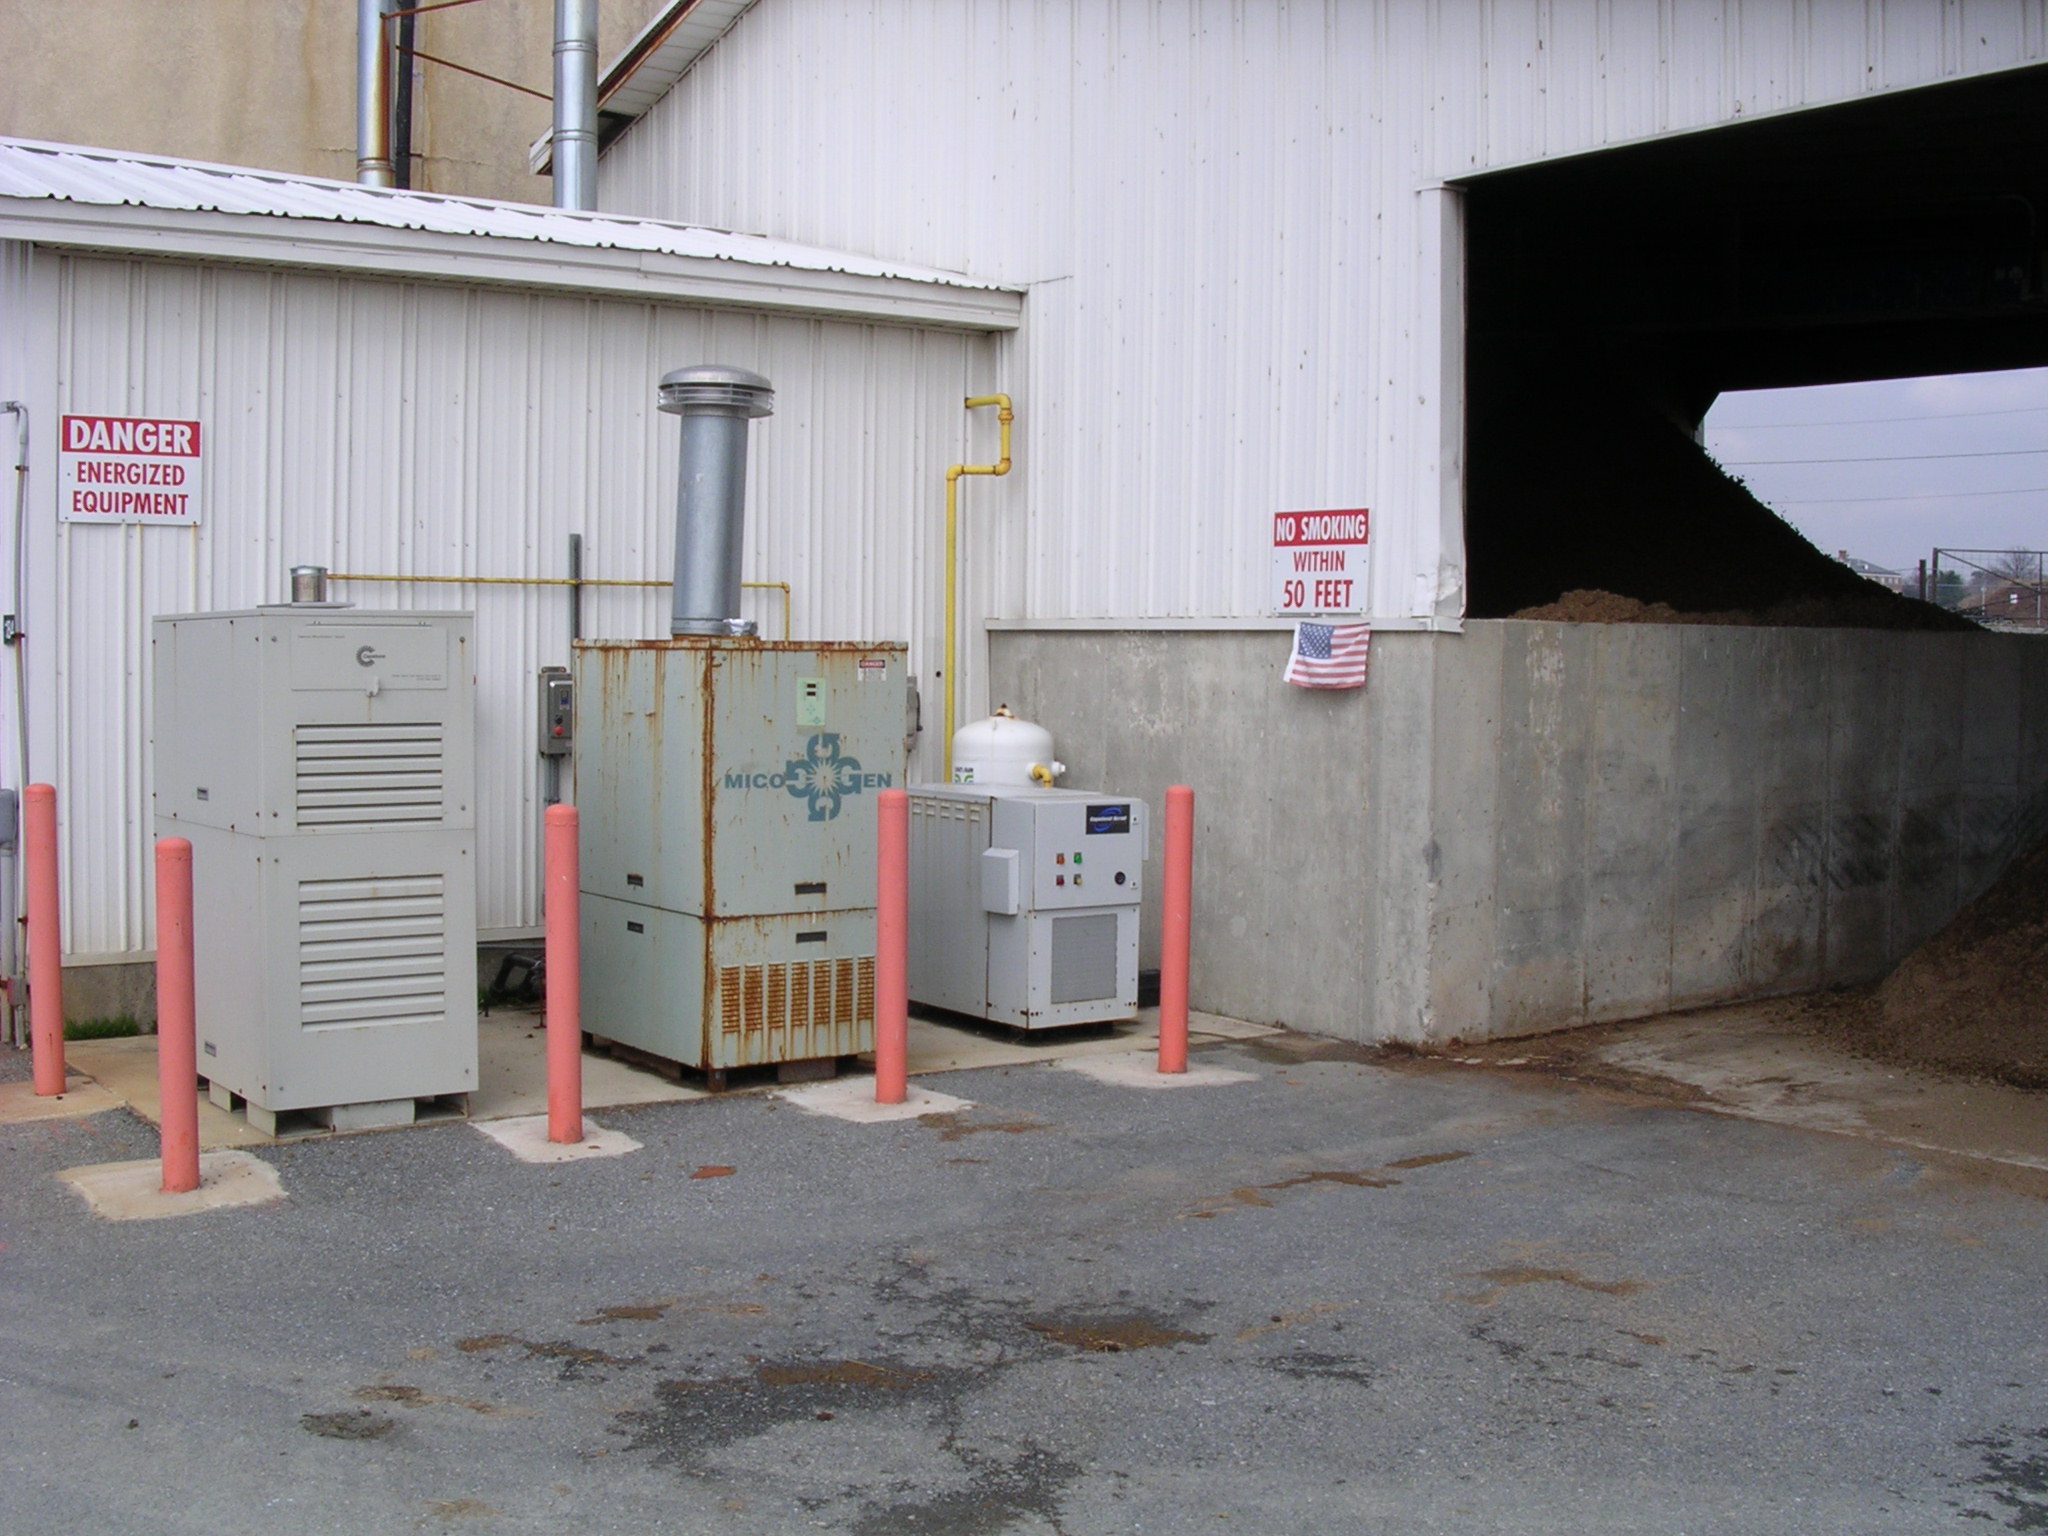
(1531, 826)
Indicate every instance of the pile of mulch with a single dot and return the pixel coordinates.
(1878, 609)
(1974, 998)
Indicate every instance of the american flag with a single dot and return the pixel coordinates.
(1329, 655)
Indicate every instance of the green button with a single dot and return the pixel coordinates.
(1077, 858)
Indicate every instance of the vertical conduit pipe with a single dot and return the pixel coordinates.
(575, 138)
(45, 939)
(177, 1051)
(892, 949)
(373, 95)
(1005, 416)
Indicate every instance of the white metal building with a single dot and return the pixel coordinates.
(1218, 253)
(405, 386)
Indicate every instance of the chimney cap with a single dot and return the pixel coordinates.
(715, 385)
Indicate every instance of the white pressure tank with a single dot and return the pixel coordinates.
(1005, 750)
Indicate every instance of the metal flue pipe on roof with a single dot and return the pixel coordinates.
(373, 94)
(716, 404)
(575, 138)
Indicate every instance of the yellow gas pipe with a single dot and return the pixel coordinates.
(1005, 416)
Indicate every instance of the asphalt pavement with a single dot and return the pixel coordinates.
(1346, 1295)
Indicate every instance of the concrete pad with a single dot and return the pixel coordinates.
(512, 1073)
(133, 1191)
(127, 1069)
(937, 1046)
(853, 1098)
(1754, 1068)
(1140, 1069)
(19, 1102)
(526, 1138)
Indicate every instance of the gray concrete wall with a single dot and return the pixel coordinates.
(1531, 826)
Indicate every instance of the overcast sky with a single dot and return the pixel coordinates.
(1889, 470)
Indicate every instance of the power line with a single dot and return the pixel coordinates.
(1885, 458)
(1872, 421)
(1825, 501)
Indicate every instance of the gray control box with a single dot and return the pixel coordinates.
(557, 712)
(1024, 903)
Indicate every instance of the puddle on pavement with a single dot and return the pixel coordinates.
(952, 1126)
(576, 1354)
(359, 1425)
(415, 1397)
(2015, 1476)
(1112, 1335)
(1427, 1160)
(1501, 1281)
(644, 1313)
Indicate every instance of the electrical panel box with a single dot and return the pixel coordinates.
(727, 797)
(557, 712)
(1024, 903)
(321, 762)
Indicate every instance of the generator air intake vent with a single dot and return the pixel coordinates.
(372, 951)
(797, 1010)
(363, 777)
(1083, 958)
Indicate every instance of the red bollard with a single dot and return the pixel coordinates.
(177, 1051)
(1175, 933)
(892, 950)
(565, 979)
(45, 937)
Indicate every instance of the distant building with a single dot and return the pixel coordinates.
(1870, 571)
(255, 82)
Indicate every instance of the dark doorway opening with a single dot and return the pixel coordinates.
(1612, 296)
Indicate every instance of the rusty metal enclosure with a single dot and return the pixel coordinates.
(727, 793)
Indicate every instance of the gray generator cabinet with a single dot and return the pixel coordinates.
(726, 794)
(1024, 903)
(321, 762)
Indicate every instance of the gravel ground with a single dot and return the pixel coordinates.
(1341, 1297)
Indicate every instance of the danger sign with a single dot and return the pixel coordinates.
(127, 469)
(1319, 561)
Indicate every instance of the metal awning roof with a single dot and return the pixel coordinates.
(61, 194)
(675, 37)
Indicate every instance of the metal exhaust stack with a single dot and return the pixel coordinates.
(575, 137)
(716, 403)
(373, 95)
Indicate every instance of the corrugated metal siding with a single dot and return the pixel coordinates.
(1236, 267)
(384, 427)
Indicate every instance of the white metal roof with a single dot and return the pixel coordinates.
(62, 194)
